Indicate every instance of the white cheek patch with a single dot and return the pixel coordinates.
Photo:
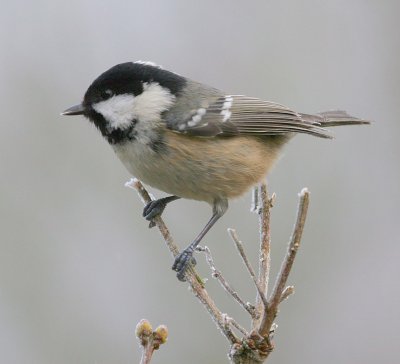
(121, 110)
(118, 110)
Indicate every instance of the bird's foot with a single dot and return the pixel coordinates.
(153, 209)
(182, 262)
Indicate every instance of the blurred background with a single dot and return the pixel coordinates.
(79, 266)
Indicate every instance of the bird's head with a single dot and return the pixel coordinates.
(127, 94)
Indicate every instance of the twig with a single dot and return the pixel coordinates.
(265, 249)
(218, 275)
(231, 321)
(193, 279)
(240, 248)
(276, 296)
(254, 200)
(288, 291)
(145, 197)
(150, 340)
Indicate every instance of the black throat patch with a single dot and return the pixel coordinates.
(128, 135)
(113, 136)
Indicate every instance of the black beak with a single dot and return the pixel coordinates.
(74, 110)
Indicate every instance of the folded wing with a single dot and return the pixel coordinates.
(237, 114)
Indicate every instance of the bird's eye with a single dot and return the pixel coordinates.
(106, 94)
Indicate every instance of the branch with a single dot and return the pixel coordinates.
(224, 283)
(192, 277)
(240, 248)
(231, 321)
(145, 197)
(277, 292)
(264, 212)
(255, 346)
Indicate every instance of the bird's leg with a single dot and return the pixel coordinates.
(156, 208)
(183, 259)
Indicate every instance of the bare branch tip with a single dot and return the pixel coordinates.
(288, 291)
(132, 183)
(233, 234)
(304, 192)
(272, 200)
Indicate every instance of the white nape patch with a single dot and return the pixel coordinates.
(121, 110)
(226, 113)
(149, 63)
(154, 99)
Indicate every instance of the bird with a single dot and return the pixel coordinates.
(192, 140)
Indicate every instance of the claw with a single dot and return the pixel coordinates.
(153, 209)
(182, 262)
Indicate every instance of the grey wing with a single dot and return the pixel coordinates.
(237, 114)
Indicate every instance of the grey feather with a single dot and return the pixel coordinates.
(334, 118)
(204, 111)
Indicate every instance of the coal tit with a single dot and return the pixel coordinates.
(191, 140)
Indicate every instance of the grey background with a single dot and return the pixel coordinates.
(78, 266)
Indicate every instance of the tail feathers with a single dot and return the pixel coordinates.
(333, 118)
